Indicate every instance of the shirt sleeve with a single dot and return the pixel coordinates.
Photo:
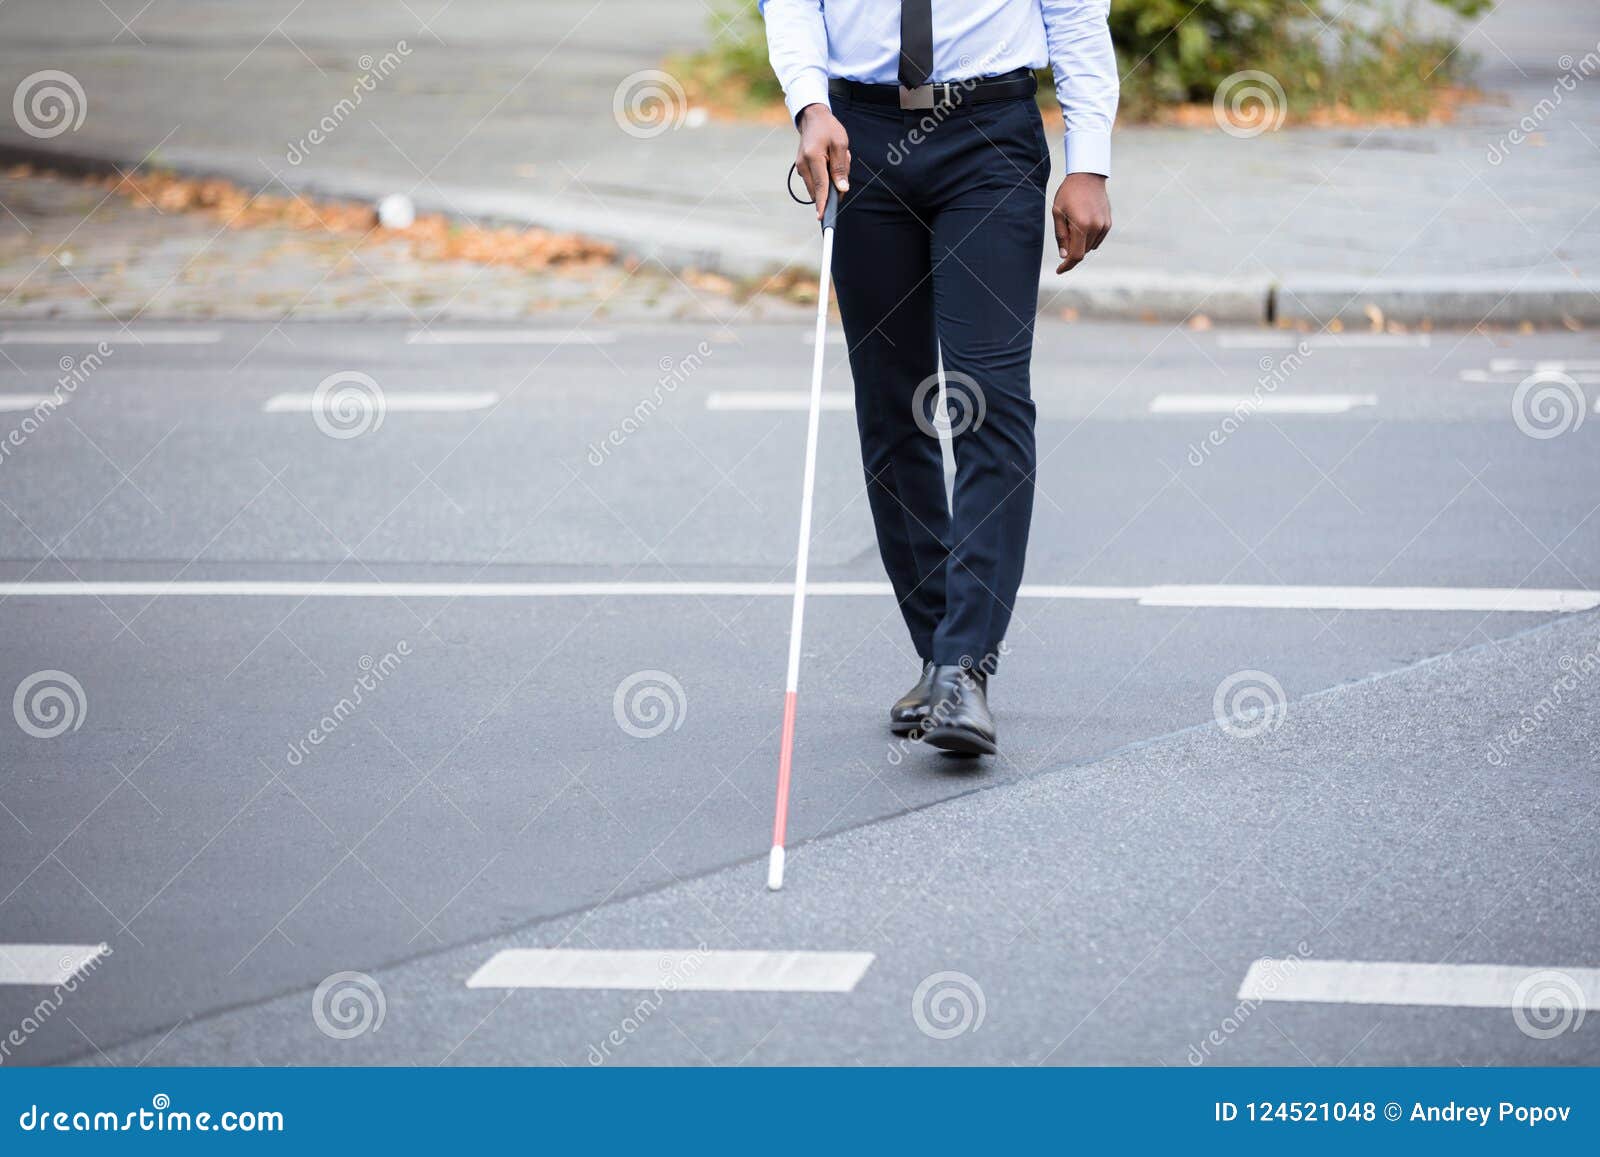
(1085, 67)
(797, 45)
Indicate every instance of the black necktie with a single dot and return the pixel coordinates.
(916, 42)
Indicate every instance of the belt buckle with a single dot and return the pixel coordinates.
(918, 98)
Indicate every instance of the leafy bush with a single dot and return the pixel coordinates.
(1359, 55)
(1352, 54)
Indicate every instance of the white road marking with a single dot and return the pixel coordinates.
(1558, 365)
(1515, 377)
(1463, 599)
(22, 401)
(110, 335)
(510, 337)
(47, 964)
(1289, 341)
(1265, 404)
(1436, 985)
(394, 402)
(775, 401)
(1309, 598)
(680, 969)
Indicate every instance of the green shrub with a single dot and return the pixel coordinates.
(1354, 54)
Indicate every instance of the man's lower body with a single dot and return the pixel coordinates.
(937, 254)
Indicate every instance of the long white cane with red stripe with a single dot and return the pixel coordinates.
(780, 819)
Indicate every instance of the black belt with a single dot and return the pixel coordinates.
(941, 94)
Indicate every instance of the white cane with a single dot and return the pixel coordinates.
(780, 821)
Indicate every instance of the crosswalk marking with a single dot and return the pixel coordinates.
(776, 400)
(679, 969)
(393, 402)
(111, 335)
(10, 402)
(1244, 597)
(1289, 341)
(46, 964)
(1435, 985)
(510, 337)
(1265, 404)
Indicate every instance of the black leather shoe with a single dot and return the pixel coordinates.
(906, 715)
(958, 719)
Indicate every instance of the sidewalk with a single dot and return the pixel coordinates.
(491, 113)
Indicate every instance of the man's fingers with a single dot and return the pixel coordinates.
(1060, 220)
(815, 171)
(839, 162)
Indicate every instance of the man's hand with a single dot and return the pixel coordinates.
(824, 153)
(1082, 213)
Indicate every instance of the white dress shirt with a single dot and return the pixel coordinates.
(811, 40)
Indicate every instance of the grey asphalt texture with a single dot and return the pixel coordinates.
(1106, 881)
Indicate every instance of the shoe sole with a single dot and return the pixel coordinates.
(958, 741)
(897, 728)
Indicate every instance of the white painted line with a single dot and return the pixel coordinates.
(111, 336)
(1289, 341)
(1559, 365)
(1515, 377)
(46, 964)
(1507, 599)
(510, 337)
(1372, 598)
(776, 401)
(1434, 985)
(23, 401)
(677, 969)
(1265, 404)
(393, 402)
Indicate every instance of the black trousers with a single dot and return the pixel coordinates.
(937, 252)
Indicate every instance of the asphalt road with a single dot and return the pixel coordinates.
(1104, 884)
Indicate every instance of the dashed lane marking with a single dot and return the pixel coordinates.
(1436, 985)
(681, 969)
(393, 402)
(1266, 404)
(46, 964)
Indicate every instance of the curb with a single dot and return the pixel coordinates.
(663, 237)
